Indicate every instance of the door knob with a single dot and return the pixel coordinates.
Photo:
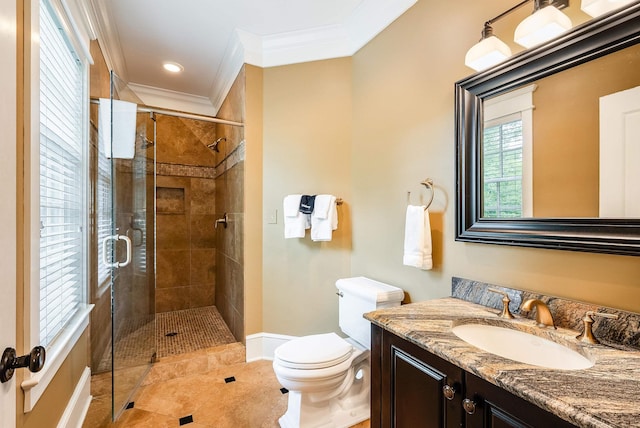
(34, 360)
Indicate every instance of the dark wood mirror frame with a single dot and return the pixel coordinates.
(586, 42)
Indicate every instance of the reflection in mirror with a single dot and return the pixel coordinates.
(570, 186)
(564, 146)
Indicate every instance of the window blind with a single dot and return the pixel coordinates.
(502, 169)
(104, 216)
(61, 178)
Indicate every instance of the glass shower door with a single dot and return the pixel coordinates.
(132, 246)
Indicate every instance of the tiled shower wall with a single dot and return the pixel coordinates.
(229, 186)
(185, 209)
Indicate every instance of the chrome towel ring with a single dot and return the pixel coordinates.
(428, 183)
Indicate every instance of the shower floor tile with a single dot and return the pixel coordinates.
(189, 330)
(176, 332)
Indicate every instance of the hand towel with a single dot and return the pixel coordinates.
(324, 219)
(295, 223)
(307, 203)
(118, 140)
(417, 238)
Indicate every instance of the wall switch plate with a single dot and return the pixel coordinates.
(273, 217)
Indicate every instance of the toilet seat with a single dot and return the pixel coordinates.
(312, 352)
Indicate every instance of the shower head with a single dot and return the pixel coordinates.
(214, 146)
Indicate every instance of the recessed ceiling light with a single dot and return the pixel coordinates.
(173, 67)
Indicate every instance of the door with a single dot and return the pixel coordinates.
(132, 245)
(620, 154)
(8, 162)
(419, 389)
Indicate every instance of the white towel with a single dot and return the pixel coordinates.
(417, 238)
(295, 223)
(122, 144)
(324, 219)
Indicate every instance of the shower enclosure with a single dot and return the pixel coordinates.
(169, 280)
(129, 250)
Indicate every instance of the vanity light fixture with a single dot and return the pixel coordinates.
(173, 67)
(546, 22)
(490, 50)
(596, 8)
(541, 26)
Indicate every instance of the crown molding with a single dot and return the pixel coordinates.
(173, 100)
(230, 66)
(105, 30)
(331, 41)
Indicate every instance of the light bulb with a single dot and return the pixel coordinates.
(600, 7)
(487, 53)
(545, 24)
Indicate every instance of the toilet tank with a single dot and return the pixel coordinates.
(358, 296)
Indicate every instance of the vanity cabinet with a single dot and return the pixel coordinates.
(411, 382)
(411, 388)
(487, 405)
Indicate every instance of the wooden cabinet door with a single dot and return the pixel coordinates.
(493, 407)
(412, 387)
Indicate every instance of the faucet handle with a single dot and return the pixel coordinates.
(505, 303)
(587, 335)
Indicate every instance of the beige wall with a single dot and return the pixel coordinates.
(253, 171)
(307, 149)
(369, 129)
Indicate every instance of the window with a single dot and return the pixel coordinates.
(507, 155)
(62, 181)
(56, 311)
(502, 168)
(103, 221)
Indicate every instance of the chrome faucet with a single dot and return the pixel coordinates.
(543, 314)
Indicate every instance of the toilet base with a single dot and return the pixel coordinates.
(303, 413)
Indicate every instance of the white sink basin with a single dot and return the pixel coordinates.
(522, 347)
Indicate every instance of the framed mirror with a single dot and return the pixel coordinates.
(548, 143)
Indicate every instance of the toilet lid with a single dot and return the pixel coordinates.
(314, 351)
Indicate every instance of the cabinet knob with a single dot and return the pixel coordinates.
(469, 406)
(9, 362)
(449, 392)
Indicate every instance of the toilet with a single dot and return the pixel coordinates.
(328, 377)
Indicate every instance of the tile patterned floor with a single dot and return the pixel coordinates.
(199, 380)
(206, 388)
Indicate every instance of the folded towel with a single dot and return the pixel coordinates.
(417, 238)
(307, 203)
(324, 219)
(295, 223)
(122, 143)
(291, 205)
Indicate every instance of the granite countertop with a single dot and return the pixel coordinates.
(605, 395)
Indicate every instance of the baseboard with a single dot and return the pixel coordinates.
(261, 346)
(78, 405)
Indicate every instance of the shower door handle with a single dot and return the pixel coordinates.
(116, 238)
